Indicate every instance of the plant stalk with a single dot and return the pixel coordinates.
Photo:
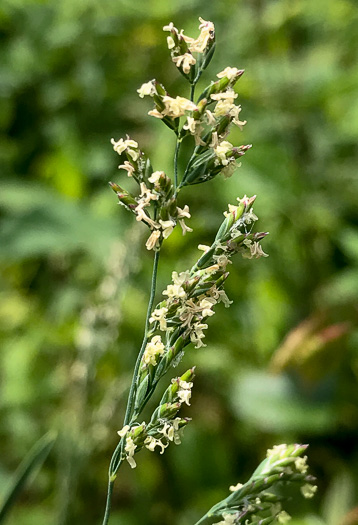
(177, 148)
(108, 502)
(192, 91)
(128, 418)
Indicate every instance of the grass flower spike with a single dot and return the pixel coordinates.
(180, 318)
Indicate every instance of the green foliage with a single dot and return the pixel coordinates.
(28, 467)
(74, 273)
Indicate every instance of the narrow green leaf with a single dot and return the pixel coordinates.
(33, 460)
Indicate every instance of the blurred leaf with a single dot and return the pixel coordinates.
(338, 499)
(308, 520)
(309, 342)
(349, 240)
(43, 222)
(272, 404)
(26, 469)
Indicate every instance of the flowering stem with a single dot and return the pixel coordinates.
(194, 83)
(192, 91)
(132, 392)
(177, 148)
(108, 502)
(129, 416)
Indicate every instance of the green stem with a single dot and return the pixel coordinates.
(192, 91)
(129, 417)
(194, 83)
(109, 501)
(132, 392)
(177, 148)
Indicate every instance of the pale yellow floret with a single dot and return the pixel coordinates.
(167, 431)
(153, 349)
(155, 176)
(184, 396)
(176, 422)
(221, 150)
(222, 260)
(206, 306)
(184, 392)
(256, 250)
(153, 240)
(176, 107)
(187, 385)
(184, 227)
(170, 27)
(236, 487)
(214, 140)
(121, 145)
(234, 113)
(197, 334)
(250, 217)
(174, 291)
(126, 145)
(225, 95)
(150, 443)
(308, 490)
(184, 61)
(183, 212)
(148, 88)
(170, 42)
(155, 113)
(223, 107)
(142, 216)
(124, 431)
(159, 315)
(232, 209)
(130, 449)
(225, 102)
(203, 247)
(180, 278)
(195, 128)
(277, 450)
(167, 227)
(229, 519)
(207, 31)
(210, 118)
(283, 517)
(221, 297)
(301, 465)
(146, 196)
(128, 167)
(229, 72)
(191, 124)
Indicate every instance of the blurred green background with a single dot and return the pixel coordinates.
(282, 364)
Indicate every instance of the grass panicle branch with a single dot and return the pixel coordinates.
(181, 318)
